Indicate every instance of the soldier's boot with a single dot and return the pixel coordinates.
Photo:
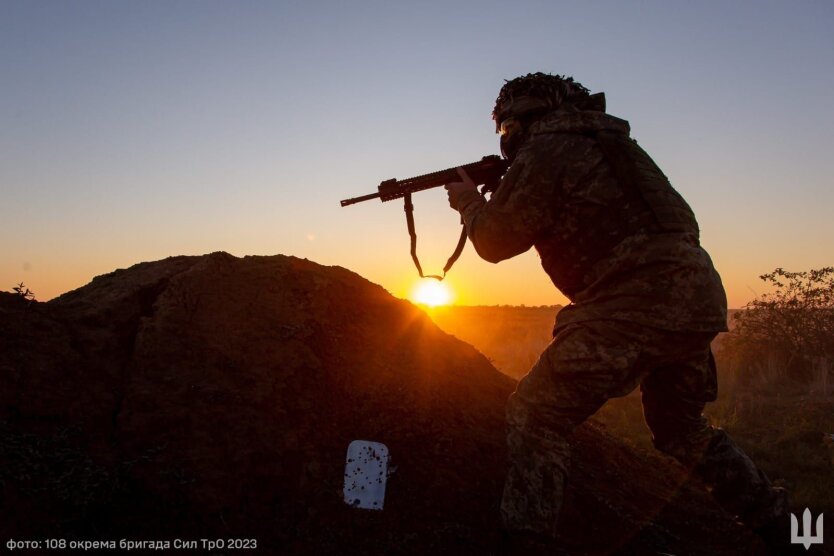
(737, 484)
(744, 491)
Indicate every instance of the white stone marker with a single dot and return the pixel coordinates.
(366, 471)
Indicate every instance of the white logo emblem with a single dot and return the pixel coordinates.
(806, 539)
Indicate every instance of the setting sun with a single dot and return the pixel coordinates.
(431, 293)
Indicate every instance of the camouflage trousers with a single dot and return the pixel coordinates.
(586, 364)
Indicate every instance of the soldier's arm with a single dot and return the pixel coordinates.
(519, 211)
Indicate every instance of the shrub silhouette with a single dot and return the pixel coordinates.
(24, 292)
(787, 334)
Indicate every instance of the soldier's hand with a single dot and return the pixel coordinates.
(459, 188)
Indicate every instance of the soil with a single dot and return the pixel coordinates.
(214, 397)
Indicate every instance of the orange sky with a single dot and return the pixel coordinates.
(133, 131)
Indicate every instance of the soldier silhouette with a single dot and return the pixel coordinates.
(618, 240)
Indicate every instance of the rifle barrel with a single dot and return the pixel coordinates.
(354, 200)
(488, 170)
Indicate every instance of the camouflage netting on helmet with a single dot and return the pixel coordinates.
(537, 92)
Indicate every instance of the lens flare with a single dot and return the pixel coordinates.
(431, 293)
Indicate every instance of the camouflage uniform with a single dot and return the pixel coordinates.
(646, 301)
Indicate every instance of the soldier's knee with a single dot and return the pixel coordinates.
(545, 419)
(686, 446)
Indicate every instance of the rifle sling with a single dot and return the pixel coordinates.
(409, 220)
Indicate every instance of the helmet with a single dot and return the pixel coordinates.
(531, 96)
(534, 95)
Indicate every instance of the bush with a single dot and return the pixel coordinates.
(786, 335)
(24, 292)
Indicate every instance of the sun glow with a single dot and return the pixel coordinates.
(431, 293)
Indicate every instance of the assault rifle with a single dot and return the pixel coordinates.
(486, 172)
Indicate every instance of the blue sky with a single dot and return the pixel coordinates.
(133, 131)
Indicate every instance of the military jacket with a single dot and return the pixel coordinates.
(611, 232)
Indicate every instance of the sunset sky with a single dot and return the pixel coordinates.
(133, 131)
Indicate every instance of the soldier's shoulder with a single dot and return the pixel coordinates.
(541, 147)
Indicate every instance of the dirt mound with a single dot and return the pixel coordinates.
(215, 397)
(511, 337)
